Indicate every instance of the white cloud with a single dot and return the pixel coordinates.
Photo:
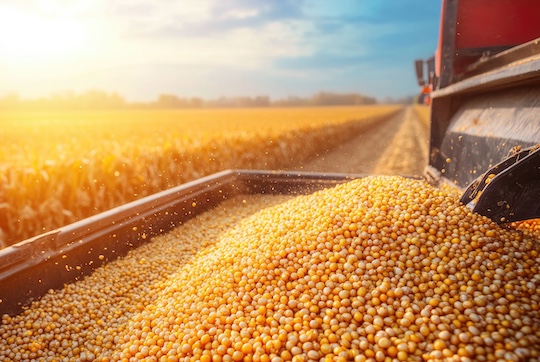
(140, 47)
(241, 14)
(118, 37)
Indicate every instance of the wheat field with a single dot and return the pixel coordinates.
(60, 167)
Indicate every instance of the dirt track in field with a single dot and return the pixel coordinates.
(395, 146)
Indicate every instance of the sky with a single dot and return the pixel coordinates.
(214, 48)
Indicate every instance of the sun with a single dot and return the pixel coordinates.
(36, 36)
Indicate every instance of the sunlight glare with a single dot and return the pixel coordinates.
(25, 35)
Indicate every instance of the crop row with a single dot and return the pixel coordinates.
(57, 168)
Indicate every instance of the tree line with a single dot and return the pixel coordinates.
(97, 99)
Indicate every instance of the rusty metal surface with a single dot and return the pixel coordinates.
(483, 130)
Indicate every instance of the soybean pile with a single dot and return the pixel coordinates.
(376, 269)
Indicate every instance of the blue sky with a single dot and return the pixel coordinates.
(213, 48)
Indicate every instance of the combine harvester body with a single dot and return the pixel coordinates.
(485, 103)
(485, 99)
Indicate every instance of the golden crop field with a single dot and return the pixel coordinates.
(423, 112)
(59, 167)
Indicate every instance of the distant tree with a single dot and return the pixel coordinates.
(171, 101)
(92, 99)
(291, 101)
(98, 99)
(168, 101)
(327, 99)
(196, 102)
(341, 99)
(261, 101)
(258, 101)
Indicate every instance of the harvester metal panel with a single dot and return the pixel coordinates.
(477, 121)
